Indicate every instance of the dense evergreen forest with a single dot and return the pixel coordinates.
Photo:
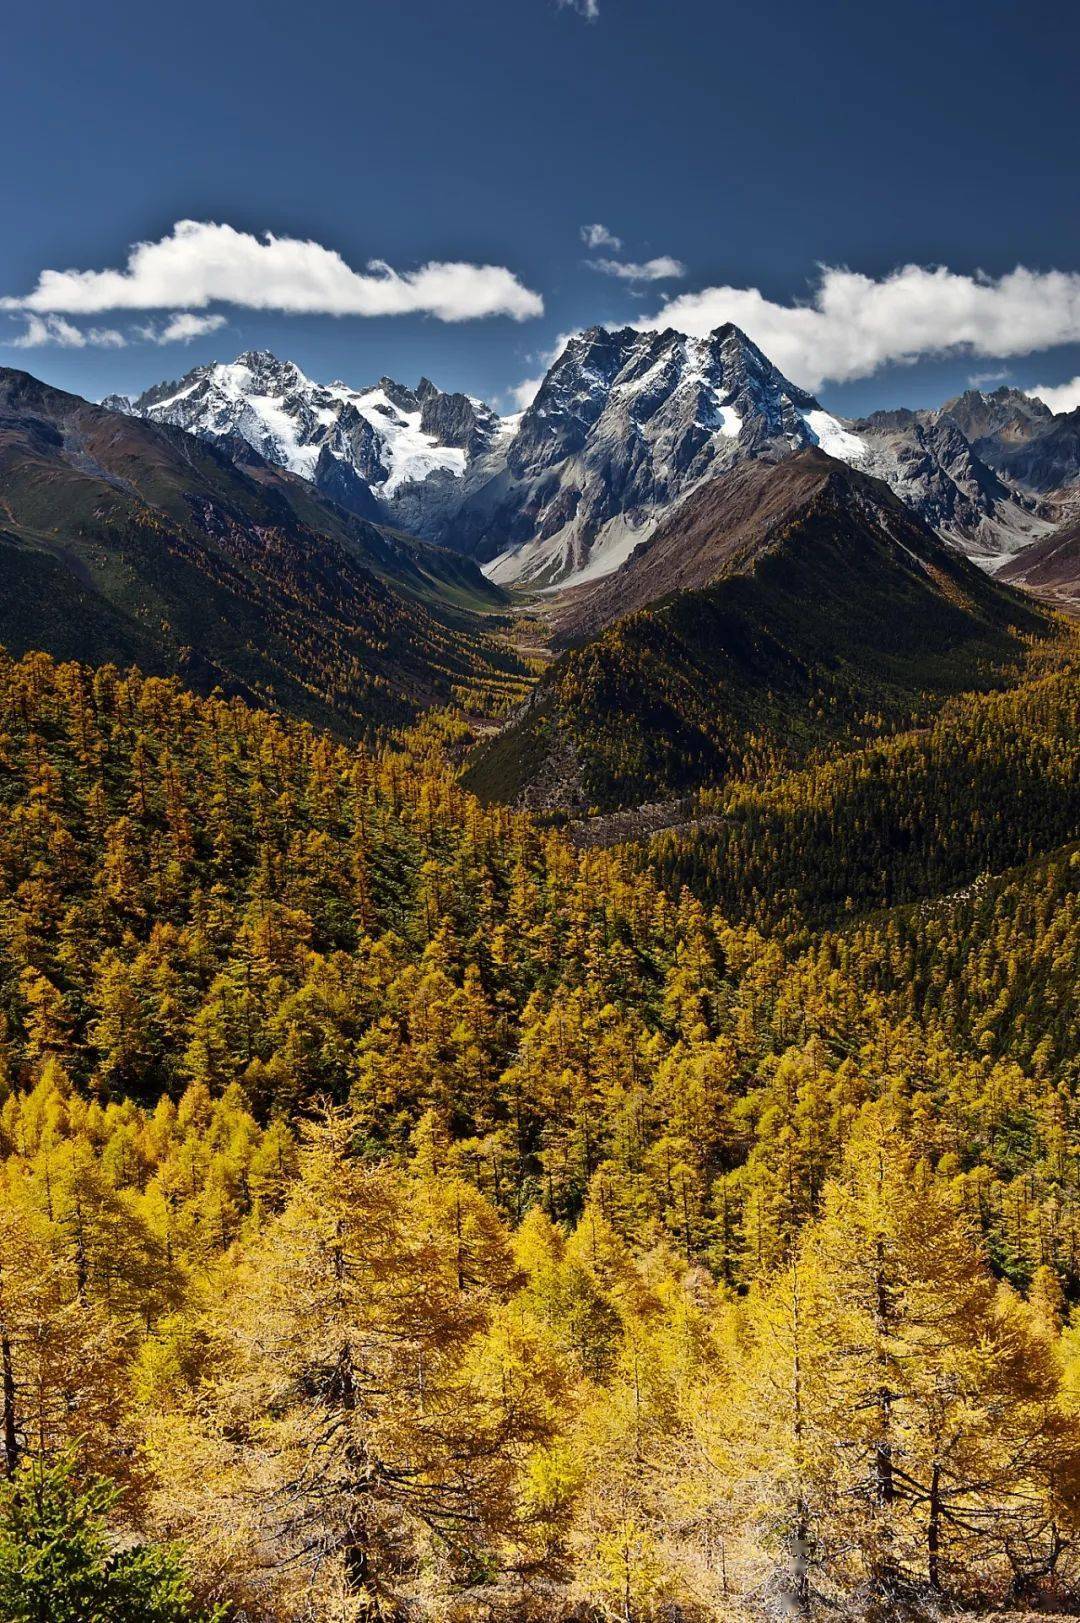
(405, 1215)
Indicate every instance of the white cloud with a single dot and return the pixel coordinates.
(589, 9)
(854, 324)
(61, 334)
(524, 393)
(1058, 396)
(199, 263)
(598, 236)
(660, 269)
(180, 328)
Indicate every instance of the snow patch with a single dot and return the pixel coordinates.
(407, 451)
(834, 439)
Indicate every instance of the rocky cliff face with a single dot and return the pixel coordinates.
(1034, 450)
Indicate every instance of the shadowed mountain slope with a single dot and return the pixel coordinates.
(804, 605)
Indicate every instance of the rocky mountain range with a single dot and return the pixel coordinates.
(740, 562)
(624, 426)
(383, 452)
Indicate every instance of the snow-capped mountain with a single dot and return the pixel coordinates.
(624, 426)
(385, 451)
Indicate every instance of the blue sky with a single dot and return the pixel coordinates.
(752, 145)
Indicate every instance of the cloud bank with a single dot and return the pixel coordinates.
(661, 269)
(589, 9)
(200, 263)
(1058, 396)
(178, 328)
(853, 324)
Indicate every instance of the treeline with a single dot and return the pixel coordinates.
(417, 1218)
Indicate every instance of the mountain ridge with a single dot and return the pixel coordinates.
(359, 446)
(133, 542)
(625, 424)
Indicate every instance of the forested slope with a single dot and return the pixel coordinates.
(992, 782)
(419, 1218)
(827, 615)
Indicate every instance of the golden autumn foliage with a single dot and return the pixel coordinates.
(422, 1219)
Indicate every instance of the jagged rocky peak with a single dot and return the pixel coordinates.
(993, 470)
(979, 415)
(263, 363)
(456, 419)
(712, 385)
(1027, 444)
(571, 397)
(626, 423)
(399, 394)
(364, 447)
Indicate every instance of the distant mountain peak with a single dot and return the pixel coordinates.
(370, 448)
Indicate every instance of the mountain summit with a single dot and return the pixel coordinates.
(624, 424)
(368, 449)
